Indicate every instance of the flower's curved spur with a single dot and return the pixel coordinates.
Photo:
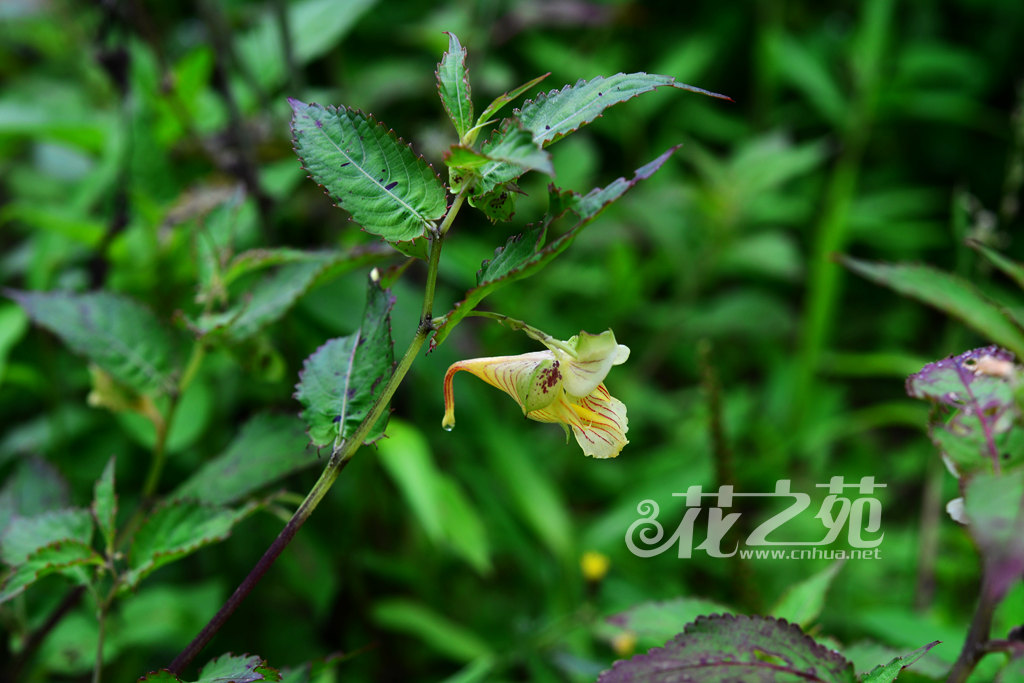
(564, 385)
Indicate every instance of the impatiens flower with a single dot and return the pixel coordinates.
(563, 384)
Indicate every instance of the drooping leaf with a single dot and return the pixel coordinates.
(499, 205)
(994, 505)
(453, 86)
(25, 535)
(947, 293)
(227, 668)
(65, 557)
(273, 296)
(976, 421)
(802, 602)
(525, 254)
(447, 638)
(369, 172)
(654, 623)
(104, 504)
(175, 530)
(887, 673)
(341, 381)
(119, 335)
(718, 649)
(555, 114)
(267, 448)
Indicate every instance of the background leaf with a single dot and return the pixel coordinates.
(370, 173)
(119, 335)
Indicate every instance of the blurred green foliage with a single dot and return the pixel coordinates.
(138, 138)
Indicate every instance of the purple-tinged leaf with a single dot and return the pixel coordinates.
(341, 381)
(994, 506)
(453, 86)
(887, 673)
(525, 254)
(976, 422)
(723, 649)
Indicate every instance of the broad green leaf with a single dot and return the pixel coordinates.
(802, 602)
(341, 381)
(721, 649)
(65, 557)
(948, 293)
(314, 27)
(444, 636)
(994, 505)
(369, 172)
(555, 114)
(104, 504)
(453, 86)
(177, 529)
(654, 623)
(887, 673)
(976, 421)
(267, 448)
(25, 535)
(227, 668)
(121, 336)
(525, 254)
(272, 297)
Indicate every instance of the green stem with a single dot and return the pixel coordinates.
(340, 456)
(532, 332)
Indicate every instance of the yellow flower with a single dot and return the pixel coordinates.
(563, 384)
(594, 565)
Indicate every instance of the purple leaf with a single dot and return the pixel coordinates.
(976, 420)
(720, 648)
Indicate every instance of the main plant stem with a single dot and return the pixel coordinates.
(340, 456)
(977, 636)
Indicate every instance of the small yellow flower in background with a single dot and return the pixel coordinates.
(563, 384)
(624, 643)
(594, 565)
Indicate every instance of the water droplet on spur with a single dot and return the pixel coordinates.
(447, 428)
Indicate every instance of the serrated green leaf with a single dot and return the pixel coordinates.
(526, 254)
(64, 557)
(887, 673)
(267, 448)
(175, 530)
(388, 189)
(227, 668)
(453, 86)
(512, 151)
(25, 535)
(720, 649)
(555, 114)
(947, 293)
(341, 381)
(104, 504)
(444, 636)
(654, 623)
(119, 335)
(802, 602)
(273, 296)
